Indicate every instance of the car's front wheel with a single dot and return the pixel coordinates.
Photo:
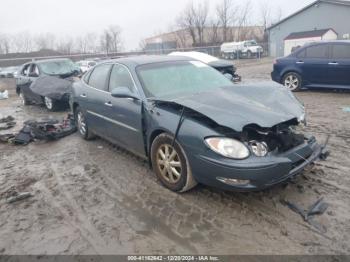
(51, 104)
(81, 124)
(171, 165)
(292, 81)
(23, 98)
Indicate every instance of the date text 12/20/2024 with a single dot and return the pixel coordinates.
(173, 258)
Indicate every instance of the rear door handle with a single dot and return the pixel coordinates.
(108, 104)
(333, 63)
(300, 62)
(83, 95)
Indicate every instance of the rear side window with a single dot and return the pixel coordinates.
(301, 54)
(341, 52)
(120, 77)
(98, 77)
(318, 51)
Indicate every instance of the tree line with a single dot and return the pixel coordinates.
(195, 21)
(109, 41)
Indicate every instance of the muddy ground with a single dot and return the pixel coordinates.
(93, 198)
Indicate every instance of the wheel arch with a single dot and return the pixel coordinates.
(290, 70)
(74, 107)
(151, 138)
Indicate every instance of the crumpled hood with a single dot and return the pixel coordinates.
(51, 86)
(241, 105)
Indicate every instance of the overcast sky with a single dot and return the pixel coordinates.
(137, 18)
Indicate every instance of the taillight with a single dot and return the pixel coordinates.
(275, 61)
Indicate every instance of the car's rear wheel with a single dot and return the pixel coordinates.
(249, 54)
(171, 165)
(82, 126)
(23, 98)
(51, 104)
(292, 81)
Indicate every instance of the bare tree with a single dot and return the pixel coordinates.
(106, 42)
(65, 45)
(45, 41)
(21, 42)
(265, 15)
(278, 15)
(214, 32)
(186, 21)
(243, 18)
(226, 12)
(4, 44)
(115, 37)
(111, 39)
(201, 16)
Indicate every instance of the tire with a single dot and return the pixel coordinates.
(171, 165)
(292, 81)
(249, 54)
(23, 98)
(51, 104)
(81, 125)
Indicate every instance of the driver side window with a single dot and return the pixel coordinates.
(120, 77)
(25, 70)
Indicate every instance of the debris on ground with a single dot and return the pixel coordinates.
(18, 197)
(41, 130)
(45, 130)
(7, 123)
(4, 95)
(7, 138)
(317, 208)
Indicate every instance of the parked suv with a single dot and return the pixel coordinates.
(319, 64)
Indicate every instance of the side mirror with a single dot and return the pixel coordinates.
(123, 92)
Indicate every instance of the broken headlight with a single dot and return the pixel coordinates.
(302, 119)
(228, 147)
(259, 148)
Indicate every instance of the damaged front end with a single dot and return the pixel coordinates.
(272, 149)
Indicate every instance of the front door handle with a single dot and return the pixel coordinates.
(333, 63)
(83, 95)
(108, 104)
(300, 62)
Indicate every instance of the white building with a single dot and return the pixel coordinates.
(298, 39)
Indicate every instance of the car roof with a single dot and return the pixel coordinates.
(328, 42)
(51, 60)
(147, 59)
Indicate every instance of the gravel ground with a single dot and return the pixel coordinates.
(94, 198)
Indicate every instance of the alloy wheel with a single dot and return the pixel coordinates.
(169, 163)
(291, 82)
(22, 98)
(81, 123)
(48, 102)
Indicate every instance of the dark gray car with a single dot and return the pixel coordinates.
(193, 124)
(46, 82)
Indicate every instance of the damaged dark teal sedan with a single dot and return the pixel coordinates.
(193, 124)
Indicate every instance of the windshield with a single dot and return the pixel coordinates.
(251, 43)
(61, 67)
(179, 78)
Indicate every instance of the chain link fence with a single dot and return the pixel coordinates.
(19, 59)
